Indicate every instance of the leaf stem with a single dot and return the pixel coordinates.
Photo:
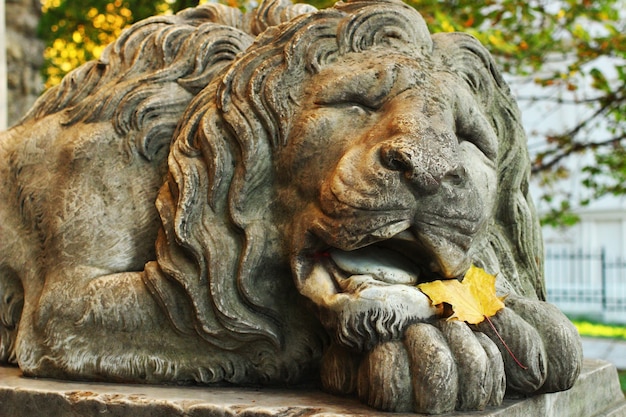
(505, 345)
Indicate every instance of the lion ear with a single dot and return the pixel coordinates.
(465, 55)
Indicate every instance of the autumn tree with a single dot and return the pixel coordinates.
(76, 32)
(564, 52)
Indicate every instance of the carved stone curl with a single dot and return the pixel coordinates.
(305, 180)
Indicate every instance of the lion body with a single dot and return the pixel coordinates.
(203, 216)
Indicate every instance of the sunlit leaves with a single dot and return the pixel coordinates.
(77, 32)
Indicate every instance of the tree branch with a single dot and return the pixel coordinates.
(559, 154)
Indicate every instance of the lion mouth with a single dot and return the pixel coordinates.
(402, 259)
(353, 283)
(392, 261)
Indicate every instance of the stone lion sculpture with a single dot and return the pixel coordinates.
(301, 172)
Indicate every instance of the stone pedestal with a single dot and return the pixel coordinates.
(597, 393)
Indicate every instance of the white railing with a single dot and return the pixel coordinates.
(584, 283)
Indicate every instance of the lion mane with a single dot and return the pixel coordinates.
(221, 166)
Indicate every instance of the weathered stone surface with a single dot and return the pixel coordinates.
(24, 53)
(595, 394)
(3, 71)
(224, 198)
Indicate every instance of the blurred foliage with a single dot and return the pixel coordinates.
(587, 328)
(76, 32)
(590, 328)
(594, 329)
(575, 50)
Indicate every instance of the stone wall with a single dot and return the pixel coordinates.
(24, 53)
(3, 72)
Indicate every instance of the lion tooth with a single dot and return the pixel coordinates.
(405, 236)
(381, 263)
(390, 230)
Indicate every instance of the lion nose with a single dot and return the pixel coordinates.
(424, 169)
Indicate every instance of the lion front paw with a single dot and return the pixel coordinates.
(432, 370)
(444, 366)
(545, 348)
(453, 368)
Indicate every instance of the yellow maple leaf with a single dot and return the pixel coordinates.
(472, 299)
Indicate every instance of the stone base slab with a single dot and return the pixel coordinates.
(596, 393)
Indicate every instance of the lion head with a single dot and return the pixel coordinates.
(413, 164)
